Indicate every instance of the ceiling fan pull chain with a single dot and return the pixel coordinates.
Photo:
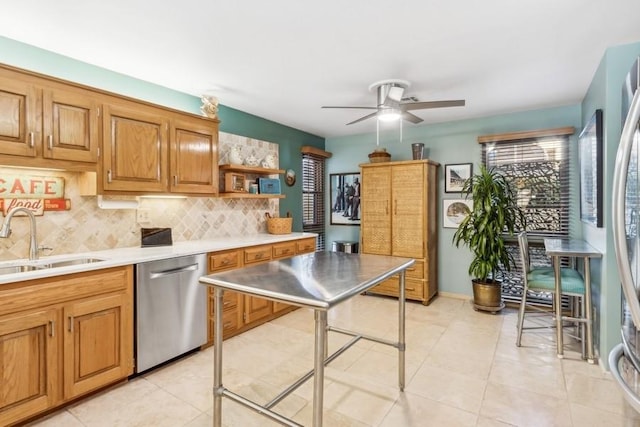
(377, 133)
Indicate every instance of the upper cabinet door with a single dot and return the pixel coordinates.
(19, 118)
(193, 156)
(135, 150)
(70, 126)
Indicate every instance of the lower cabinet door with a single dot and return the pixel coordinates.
(98, 340)
(28, 364)
(256, 308)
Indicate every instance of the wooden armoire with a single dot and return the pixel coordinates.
(399, 217)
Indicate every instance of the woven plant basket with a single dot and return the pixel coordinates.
(279, 225)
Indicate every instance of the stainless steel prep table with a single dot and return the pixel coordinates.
(319, 281)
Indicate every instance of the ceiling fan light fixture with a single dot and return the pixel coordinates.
(389, 115)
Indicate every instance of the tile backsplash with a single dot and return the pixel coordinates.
(86, 227)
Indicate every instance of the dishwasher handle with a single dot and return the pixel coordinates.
(171, 271)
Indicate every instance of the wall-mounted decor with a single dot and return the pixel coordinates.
(590, 157)
(454, 211)
(345, 198)
(290, 177)
(455, 175)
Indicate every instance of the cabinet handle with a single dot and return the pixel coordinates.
(70, 323)
(224, 262)
(226, 325)
(175, 179)
(395, 207)
(52, 325)
(410, 289)
(109, 176)
(386, 208)
(32, 140)
(50, 142)
(259, 255)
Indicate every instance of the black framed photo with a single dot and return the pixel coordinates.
(590, 158)
(455, 176)
(345, 198)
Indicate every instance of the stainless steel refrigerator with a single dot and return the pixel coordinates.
(624, 359)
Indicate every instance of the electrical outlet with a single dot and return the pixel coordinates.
(142, 215)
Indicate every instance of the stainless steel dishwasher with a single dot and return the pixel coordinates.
(171, 309)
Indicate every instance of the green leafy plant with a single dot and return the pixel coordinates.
(495, 213)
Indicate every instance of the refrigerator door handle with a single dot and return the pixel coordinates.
(618, 211)
(616, 354)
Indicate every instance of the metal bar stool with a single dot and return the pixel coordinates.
(542, 279)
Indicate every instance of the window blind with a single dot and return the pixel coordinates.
(540, 171)
(313, 197)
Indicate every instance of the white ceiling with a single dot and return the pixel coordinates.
(284, 59)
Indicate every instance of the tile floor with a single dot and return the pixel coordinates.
(463, 369)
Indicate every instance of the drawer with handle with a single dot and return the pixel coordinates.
(284, 250)
(257, 254)
(219, 261)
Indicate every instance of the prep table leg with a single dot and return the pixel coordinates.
(401, 337)
(587, 306)
(558, 303)
(217, 358)
(319, 356)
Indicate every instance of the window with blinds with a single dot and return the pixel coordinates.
(313, 197)
(539, 170)
(538, 165)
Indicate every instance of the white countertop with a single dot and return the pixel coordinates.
(135, 255)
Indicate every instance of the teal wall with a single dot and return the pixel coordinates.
(233, 121)
(605, 93)
(445, 143)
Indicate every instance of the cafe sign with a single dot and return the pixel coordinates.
(36, 193)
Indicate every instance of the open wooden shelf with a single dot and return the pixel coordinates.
(250, 196)
(249, 169)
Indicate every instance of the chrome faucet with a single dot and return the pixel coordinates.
(5, 230)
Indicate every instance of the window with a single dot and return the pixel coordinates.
(538, 165)
(313, 193)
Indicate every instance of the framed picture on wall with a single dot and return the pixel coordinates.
(590, 158)
(345, 198)
(455, 176)
(454, 211)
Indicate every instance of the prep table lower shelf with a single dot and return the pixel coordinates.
(318, 281)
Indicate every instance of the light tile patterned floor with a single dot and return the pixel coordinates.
(463, 369)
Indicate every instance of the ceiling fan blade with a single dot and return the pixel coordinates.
(432, 104)
(411, 117)
(359, 108)
(368, 116)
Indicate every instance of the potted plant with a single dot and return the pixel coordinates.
(495, 214)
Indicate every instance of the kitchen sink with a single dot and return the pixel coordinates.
(14, 267)
(68, 262)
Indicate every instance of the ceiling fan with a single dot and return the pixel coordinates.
(392, 105)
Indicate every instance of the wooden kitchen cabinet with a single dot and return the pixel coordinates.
(243, 312)
(63, 337)
(399, 217)
(95, 353)
(28, 364)
(193, 156)
(46, 124)
(135, 145)
(148, 151)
